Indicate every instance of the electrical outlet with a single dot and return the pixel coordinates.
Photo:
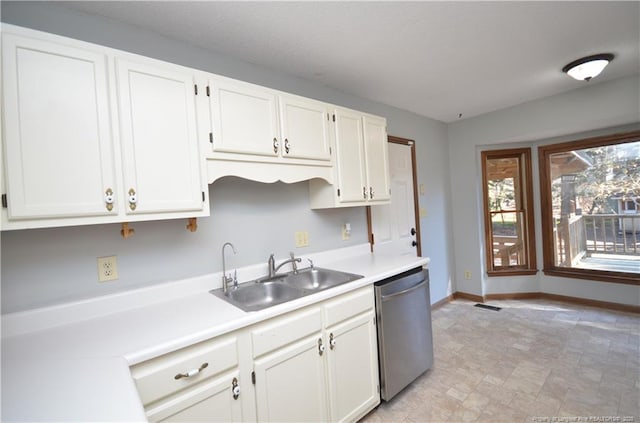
(467, 274)
(302, 239)
(107, 268)
(422, 190)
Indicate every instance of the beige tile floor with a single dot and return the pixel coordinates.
(533, 361)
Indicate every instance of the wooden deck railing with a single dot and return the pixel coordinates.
(612, 233)
(579, 236)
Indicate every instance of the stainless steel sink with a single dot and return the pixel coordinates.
(254, 296)
(263, 293)
(318, 279)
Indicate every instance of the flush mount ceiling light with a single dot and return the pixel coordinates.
(588, 67)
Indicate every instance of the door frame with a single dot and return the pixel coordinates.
(416, 207)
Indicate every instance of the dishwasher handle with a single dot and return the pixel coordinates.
(406, 291)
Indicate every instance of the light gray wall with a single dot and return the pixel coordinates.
(577, 114)
(49, 266)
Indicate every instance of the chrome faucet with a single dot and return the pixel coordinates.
(272, 264)
(226, 279)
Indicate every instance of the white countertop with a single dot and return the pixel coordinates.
(72, 362)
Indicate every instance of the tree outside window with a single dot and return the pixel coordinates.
(590, 194)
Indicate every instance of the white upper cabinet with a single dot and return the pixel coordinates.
(266, 135)
(159, 135)
(245, 119)
(57, 130)
(376, 149)
(304, 128)
(361, 163)
(94, 135)
(350, 157)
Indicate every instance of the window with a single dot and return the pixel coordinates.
(508, 212)
(590, 194)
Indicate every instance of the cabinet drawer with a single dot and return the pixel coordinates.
(156, 378)
(348, 305)
(285, 330)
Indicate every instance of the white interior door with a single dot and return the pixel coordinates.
(394, 225)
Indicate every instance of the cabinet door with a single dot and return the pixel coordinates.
(353, 368)
(244, 119)
(210, 402)
(304, 128)
(350, 157)
(57, 133)
(290, 384)
(160, 154)
(377, 158)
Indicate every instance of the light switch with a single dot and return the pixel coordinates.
(422, 189)
(423, 212)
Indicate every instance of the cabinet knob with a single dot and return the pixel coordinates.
(413, 231)
(109, 198)
(133, 198)
(321, 347)
(191, 372)
(332, 341)
(235, 389)
(414, 243)
(364, 192)
(371, 193)
(286, 145)
(275, 145)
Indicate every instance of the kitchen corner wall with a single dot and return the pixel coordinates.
(49, 266)
(591, 110)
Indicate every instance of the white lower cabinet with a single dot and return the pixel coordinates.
(319, 369)
(353, 368)
(198, 383)
(289, 369)
(316, 364)
(210, 402)
(290, 384)
(352, 358)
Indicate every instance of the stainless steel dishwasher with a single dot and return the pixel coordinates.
(405, 344)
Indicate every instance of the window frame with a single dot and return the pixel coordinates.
(548, 251)
(526, 186)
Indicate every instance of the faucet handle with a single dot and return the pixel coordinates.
(235, 278)
(310, 263)
(293, 262)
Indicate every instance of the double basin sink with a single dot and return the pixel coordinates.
(266, 292)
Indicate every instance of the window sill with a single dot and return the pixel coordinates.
(595, 275)
(512, 272)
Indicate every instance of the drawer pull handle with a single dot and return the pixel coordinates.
(320, 346)
(332, 341)
(191, 372)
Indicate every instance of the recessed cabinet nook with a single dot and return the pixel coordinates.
(96, 135)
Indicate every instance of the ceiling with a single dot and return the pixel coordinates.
(444, 60)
